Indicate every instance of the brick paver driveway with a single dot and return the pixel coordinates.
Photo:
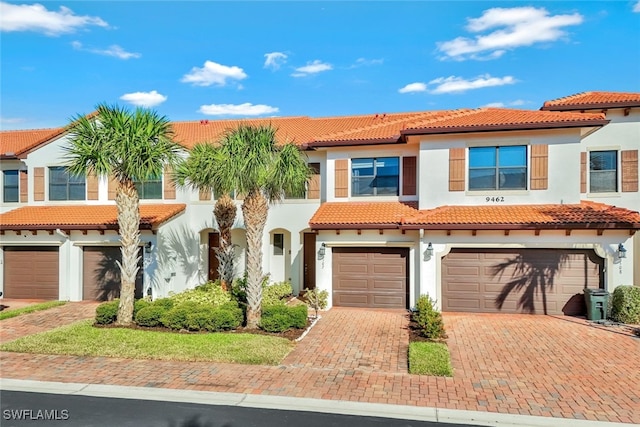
(530, 365)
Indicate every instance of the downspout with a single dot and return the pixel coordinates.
(65, 236)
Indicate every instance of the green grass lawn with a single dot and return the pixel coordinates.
(8, 314)
(429, 358)
(82, 339)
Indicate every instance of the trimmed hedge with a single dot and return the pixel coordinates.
(280, 317)
(428, 319)
(107, 312)
(625, 304)
(200, 317)
(210, 293)
(151, 315)
(275, 293)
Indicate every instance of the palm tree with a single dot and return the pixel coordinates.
(196, 172)
(128, 146)
(250, 161)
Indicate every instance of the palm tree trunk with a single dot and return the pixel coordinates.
(129, 228)
(225, 213)
(255, 209)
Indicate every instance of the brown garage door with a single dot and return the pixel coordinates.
(370, 277)
(31, 272)
(101, 274)
(540, 281)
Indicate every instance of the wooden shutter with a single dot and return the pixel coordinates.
(342, 178)
(313, 190)
(456, 169)
(112, 186)
(539, 167)
(583, 172)
(92, 186)
(629, 170)
(38, 184)
(169, 185)
(24, 187)
(409, 176)
(204, 195)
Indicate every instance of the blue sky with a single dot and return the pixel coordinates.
(210, 60)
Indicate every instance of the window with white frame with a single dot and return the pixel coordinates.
(149, 188)
(378, 176)
(10, 186)
(498, 168)
(603, 171)
(64, 186)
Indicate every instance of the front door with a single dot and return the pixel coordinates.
(309, 279)
(214, 243)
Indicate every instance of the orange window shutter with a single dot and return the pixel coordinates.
(342, 178)
(629, 164)
(313, 191)
(583, 172)
(409, 176)
(112, 186)
(539, 167)
(24, 187)
(456, 169)
(169, 185)
(92, 186)
(204, 195)
(38, 184)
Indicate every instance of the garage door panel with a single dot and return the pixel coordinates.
(566, 272)
(459, 287)
(101, 277)
(31, 272)
(370, 277)
(456, 270)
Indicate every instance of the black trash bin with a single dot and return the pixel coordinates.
(597, 301)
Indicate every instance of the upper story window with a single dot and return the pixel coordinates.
(377, 176)
(603, 171)
(498, 168)
(64, 186)
(10, 186)
(150, 188)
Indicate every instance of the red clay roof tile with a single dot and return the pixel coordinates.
(594, 100)
(88, 217)
(336, 215)
(15, 142)
(584, 215)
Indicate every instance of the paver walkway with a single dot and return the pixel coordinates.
(530, 365)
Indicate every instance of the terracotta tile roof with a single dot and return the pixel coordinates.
(13, 143)
(496, 119)
(594, 100)
(584, 215)
(88, 217)
(355, 215)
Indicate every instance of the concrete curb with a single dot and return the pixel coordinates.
(342, 407)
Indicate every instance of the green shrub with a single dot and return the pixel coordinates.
(151, 315)
(199, 317)
(625, 304)
(280, 317)
(239, 289)
(318, 300)
(225, 317)
(166, 303)
(176, 317)
(107, 312)
(428, 319)
(210, 293)
(139, 305)
(275, 293)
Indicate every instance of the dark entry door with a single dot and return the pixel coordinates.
(214, 243)
(309, 249)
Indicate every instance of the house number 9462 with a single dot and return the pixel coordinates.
(499, 199)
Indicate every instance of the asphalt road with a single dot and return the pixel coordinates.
(21, 409)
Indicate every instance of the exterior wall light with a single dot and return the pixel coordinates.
(322, 251)
(429, 250)
(622, 252)
(148, 247)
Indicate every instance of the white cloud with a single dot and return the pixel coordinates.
(516, 103)
(144, 99)
(453, 84)
(413, 87)
(35, 17)
(12, 120)
(246, 109)
(274, 60)
(113, 50)
(636, 7)
(512, 28)
(213, 73)
(313, 67)
(363, 62)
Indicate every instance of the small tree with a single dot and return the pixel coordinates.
(317, 300)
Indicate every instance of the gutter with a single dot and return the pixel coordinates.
(503, 127)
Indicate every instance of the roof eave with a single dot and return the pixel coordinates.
(354, 142)
(590, 106)
(79, 227)
(503, 127)
(368, 226)
(528, 226)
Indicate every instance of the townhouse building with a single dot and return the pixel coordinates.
(486, 210)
